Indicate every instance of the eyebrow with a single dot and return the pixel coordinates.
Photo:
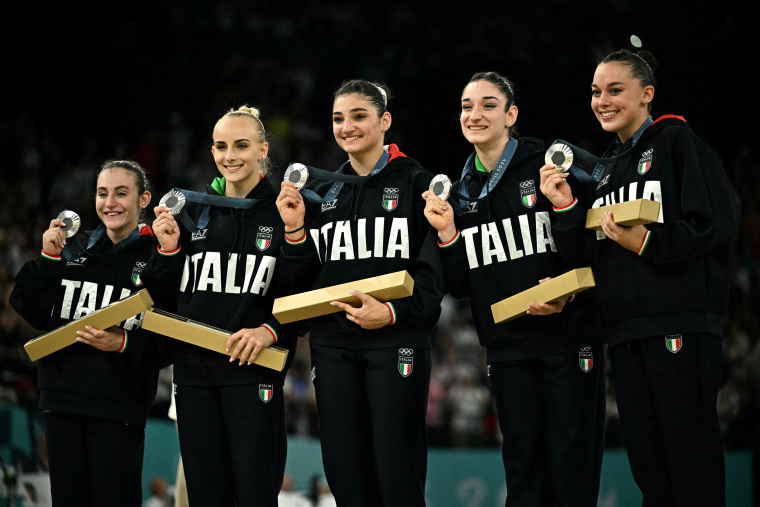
(616, 83)
(235, 141)
(354, 110)
(487, 97)
(117, 188)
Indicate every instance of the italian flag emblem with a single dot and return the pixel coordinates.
(645, 163)
(264, 237)
(674, 342)
(585, 359)
(390, 199)
(136, 279)
(528, 193)
(265, 392)
(405, 366)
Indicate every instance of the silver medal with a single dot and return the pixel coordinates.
(71, 222)
(174, 200)
(297, 173)
(440, 185)
(560, 155)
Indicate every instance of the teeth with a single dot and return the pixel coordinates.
(476, 127)
(607, 115)
(351, 138)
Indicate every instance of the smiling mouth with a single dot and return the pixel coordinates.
(351, 138)
(112, 213)
(608, 114)
(233, 167)
(477, 128)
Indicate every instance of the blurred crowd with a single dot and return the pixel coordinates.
(287, 63)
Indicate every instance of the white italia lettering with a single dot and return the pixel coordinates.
(263, 275)
(211, 273)
(514, 252)
(106, 296)
(544, 236)
(379, 236)
(653, 192)
(469, 244)
(212, 269)
(69, 289)
(315, 237)
(87, 300)
(361, 244)
(342, 243)
(229, 284)
(491, 244)
(398, 239)
(525, 231)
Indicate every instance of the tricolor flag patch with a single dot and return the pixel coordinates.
(646, 161)
(136, 272)
(264, 237)
(405, 366)
(265, 392)
(390, 199)
(585, 359)
(674, 342)
(528, 194)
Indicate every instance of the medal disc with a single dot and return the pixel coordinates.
(174, 200)
(440, 185)
(297, 173)
(560, 155)
(71, 222)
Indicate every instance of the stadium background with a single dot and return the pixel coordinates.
(147, 80)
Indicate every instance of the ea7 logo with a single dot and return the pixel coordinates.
(327, 206)
(198, 236)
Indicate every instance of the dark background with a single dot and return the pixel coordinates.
(84, 82)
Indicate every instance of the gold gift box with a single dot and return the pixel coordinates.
(316, 303)
(101, 319)
(638, 212)
(208, 337)
(572, 282)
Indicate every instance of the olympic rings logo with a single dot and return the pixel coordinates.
(527, 184)
(585, 349)
(406, 352)
(266, 230)
(140, 264)
(391, 190)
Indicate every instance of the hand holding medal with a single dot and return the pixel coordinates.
(165, 227)
(64, 226)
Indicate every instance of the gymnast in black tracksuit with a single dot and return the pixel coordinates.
(230, 412)
(547, 368)
(662, 288)
(95, 394)
(371, 365)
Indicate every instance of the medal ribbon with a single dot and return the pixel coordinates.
(75, 248)
(601, 162)
(340, 179)
(463, 195)
(209, 200)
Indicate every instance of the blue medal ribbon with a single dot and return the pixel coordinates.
(340, 179)
(601, 162)
(209, 200)
(463, 194)
(75, 249)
